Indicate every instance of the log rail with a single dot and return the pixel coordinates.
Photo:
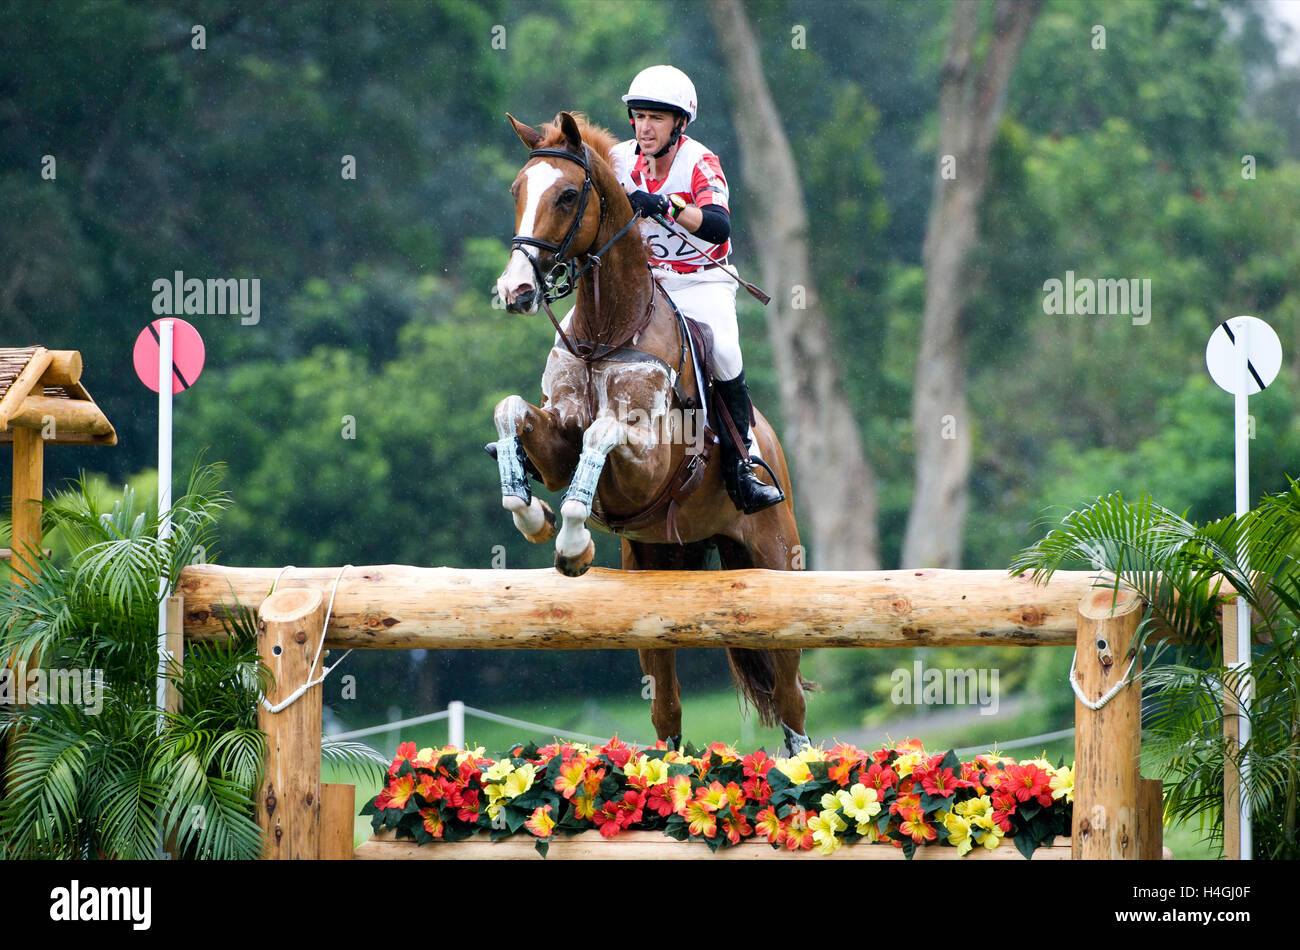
(1117, 812)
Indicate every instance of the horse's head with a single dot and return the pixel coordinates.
(554, 218)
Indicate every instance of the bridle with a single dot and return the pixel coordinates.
(564, 275)
(562, 281)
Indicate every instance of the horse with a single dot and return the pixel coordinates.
(619, 396)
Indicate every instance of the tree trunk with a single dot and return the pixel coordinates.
(971, 98)
(835, 487)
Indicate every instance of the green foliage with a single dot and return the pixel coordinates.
(1180, 569)
(99, 772)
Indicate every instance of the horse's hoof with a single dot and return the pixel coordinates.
(547, 531)
(795, 742)
(576, 566)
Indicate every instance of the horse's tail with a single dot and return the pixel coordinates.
(755, 676)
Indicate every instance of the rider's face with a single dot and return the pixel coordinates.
(653, 129)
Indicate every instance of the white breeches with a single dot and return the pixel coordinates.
(710, 298)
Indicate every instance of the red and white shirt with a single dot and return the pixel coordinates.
(696, 176)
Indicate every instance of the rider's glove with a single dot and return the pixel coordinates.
(648, 205)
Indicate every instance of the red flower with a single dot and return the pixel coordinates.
(970, 773)
(469, 806)
(939, 782)
(428, 788)
(399, 791)
(1004, 806)
(1028, 781)
(913, 824)
(757, 790)
(405, 751)
(432, 821)
(879, 777)
(798, 835)
(840, 770)
(757, 764)
(658, 800)
(736, 827)
(617, 750)
(617, 814)
(770, 825)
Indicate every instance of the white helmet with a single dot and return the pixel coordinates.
(663, 85)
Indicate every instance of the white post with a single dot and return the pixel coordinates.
(1242, 350)
(456, 724)
(165, 337)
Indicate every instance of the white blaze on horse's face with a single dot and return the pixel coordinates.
(519, 272)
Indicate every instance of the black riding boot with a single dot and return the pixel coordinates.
(746, 490)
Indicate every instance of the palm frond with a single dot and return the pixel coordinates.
(356, 758)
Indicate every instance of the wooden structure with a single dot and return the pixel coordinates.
(42, 402)
(1117, 812)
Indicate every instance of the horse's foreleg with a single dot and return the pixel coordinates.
(516, 421)
(574, 548)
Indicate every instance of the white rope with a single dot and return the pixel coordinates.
(301, 690)
(1110, 693)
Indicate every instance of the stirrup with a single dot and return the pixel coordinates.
(748, 501)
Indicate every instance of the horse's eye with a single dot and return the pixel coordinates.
(567, 197)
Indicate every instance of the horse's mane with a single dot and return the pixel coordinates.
(600, 139)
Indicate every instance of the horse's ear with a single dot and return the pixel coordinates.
(527, 134)
(569, 126)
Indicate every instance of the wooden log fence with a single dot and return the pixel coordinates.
(1116, 811)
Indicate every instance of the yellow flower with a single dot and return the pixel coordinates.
(903, 765)
(976, 809)
(1062, 784)
(478, 752)
(654, 771)
(796, 770)
(520, 780)
(498, 770)
(811, 755)
(824, 827)
(860, 803)
(992, 834)
(959, 832)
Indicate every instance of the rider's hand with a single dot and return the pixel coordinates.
(647, 205)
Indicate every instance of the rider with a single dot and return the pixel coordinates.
(667, 173)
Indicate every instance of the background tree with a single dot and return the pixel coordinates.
(971, 100)
(822, 436)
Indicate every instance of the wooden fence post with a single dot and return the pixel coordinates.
(290, 628)
(1108, 741)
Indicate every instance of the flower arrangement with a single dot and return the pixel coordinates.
(902, 796)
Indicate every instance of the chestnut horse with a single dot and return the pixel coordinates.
(619, 394)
